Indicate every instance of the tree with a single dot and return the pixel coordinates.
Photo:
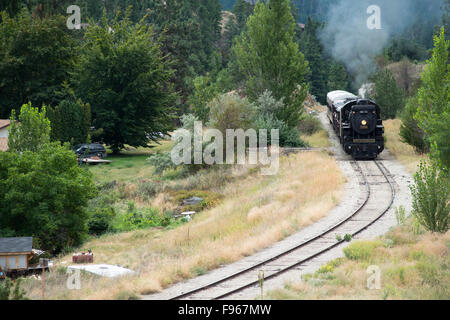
(433, 111)
(36, 56)
(311, 47)
(269, 59)
(409, 130)
(430, 194)
(190, 30)
(338, 78)
(44, 195)
(70, 121)
(30, 131)
(387, 94)
(125, 78)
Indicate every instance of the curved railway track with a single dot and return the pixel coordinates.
(362, 218)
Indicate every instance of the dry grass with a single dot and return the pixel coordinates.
(256, 212)
(414, 265)
(402, 151)
(319, 139)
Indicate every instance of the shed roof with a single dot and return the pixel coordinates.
(4, 123)
(11, 245)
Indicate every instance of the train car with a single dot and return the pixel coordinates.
(357, 122)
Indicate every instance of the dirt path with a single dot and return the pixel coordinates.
(354, 196)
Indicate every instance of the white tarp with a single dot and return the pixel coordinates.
(104, 270)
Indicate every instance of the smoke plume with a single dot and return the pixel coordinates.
(349, 40)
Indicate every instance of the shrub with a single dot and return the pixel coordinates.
(161, 162)
(410, 131)
(229, 111)
(9, 291)
(361, 250)
(100, 221)
(289, 137)
(431, 197)
(309, 125)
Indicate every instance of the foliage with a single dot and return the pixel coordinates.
(309, 125)
(100, 221)
(204, 92)
(229, 111)
(70, 121)
(403, 47)
(387, 94)
(311, 47)
(288, 137)
(135, 219)
(190, 29)
(431, 196)
(31, 131)
(338, 78)
(11, 291)
(161, 162)
(433, 111)
(124, 76)
(269, 59)
(410, 132)
(36, 56)
(361, 250)
(44, 195)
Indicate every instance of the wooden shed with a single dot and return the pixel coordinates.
(15, 253)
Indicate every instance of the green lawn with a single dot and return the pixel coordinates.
(130, 165)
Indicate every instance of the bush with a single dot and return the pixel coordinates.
(430, 194)
(361, 250)
(44, 195)
(161, 162)
(100, 221)
(410, 131)
(9, 291)
(309, 125)
(229, 111)
(289, 137)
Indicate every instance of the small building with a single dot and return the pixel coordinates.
(4, 124)
(15, 253)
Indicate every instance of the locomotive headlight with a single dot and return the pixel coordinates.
(364, 122)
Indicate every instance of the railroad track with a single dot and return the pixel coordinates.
(373, 176)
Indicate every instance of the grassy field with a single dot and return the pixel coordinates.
(253, 212)
(130, 165)
(413, 265)
(402, 151)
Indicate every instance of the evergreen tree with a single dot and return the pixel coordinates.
(388, 95)
(269, 59)
(338, 78)
(311, 47)
(36, 56)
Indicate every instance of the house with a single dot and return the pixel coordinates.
(16, 253)
(4, 124)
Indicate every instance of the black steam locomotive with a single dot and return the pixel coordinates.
(357, 123)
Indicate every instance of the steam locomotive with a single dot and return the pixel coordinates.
(357, 123)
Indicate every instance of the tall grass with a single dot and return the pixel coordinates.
(256, 212)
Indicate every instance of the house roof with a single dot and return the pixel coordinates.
(4, 123)
(11, 245)
(3, 144)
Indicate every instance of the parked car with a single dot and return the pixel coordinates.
(90, 150)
